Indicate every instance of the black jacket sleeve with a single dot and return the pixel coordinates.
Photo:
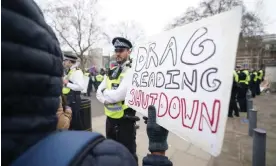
(31, 77)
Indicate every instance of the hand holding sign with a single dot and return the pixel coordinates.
(157, 134)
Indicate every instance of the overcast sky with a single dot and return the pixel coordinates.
(154, 15)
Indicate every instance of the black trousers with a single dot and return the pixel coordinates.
(241, 97)
(258, 90)
(74, 101)
(233, 104)
(96, 84)
(123, 131)
(89, 89)
(253, 89)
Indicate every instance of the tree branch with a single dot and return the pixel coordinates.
(64, 38)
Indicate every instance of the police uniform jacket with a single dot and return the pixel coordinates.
(76, 82)
(114, 96)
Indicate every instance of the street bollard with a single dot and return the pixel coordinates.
(248, 94)
(252, 121)
(249, 103)
(259, 147)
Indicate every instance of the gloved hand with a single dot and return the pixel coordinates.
(157, 134)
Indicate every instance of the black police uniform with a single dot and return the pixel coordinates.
(252, 83)
(89, 87)
(243, 87)
(233, 104)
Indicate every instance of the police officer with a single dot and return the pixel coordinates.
(253, 82)
(99, 77)
(73, 84)
(243, 87)
(89, 87)
(233, 104)
(246, 71)
(120, 122)
(259, 80)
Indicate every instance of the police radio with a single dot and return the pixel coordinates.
(115, 73)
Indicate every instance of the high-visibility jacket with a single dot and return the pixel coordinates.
(236, 76)
(116, 110)
(99, 78)
(243, 77)
(260, 74)
(247, 80)
(66, 90)
(255, 77)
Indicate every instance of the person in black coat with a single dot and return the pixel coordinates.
(233, 104)
(32, 73)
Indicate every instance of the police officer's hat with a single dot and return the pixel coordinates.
(120, 42)
(238, 66)
(70, 57)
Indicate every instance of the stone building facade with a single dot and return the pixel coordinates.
(256, 52)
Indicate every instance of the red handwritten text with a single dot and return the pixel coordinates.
(176, 107)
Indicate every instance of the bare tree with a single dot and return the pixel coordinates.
(251, 24)
(74, 25)
(127, 29)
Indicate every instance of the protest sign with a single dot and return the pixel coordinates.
(187, 74)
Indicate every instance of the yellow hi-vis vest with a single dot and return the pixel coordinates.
(66, 90)
(243, 80)
(236, 76)
(255, 76)
(247, 76)
(99, 78)
(261, 74)
(116, 110)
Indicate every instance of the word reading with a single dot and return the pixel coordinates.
(167, 81)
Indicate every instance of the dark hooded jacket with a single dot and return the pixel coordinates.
(31, 85)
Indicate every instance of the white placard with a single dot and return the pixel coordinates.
(187, 73)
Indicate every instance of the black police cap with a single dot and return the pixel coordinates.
(120, 42)
(70, 57)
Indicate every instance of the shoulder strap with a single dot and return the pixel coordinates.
(60, 149)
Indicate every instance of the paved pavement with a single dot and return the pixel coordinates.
(237, 147)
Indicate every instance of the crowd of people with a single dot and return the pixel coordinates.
(244, 81)
(95, 79)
